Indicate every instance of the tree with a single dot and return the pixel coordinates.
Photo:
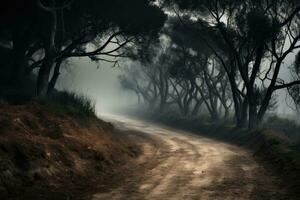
(101, 30)
(182, 73)
(197, 68)
(252, 33)
(294, 90)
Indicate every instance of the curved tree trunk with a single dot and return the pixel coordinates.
(43, 77)
(55, 76)
(50, 53)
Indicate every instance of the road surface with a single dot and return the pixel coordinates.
(178, 165)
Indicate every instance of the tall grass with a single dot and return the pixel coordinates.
(71, 103)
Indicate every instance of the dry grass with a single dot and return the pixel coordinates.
(43, 154)
(70, 103)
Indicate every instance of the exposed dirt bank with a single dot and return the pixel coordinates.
(45, 154)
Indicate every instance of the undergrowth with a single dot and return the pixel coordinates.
(70, 103)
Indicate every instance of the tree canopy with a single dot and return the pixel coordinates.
(57, 30)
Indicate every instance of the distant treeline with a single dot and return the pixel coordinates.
(222, 57)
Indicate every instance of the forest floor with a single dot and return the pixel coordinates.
(180, 165)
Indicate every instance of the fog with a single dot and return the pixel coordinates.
(100, 83)
(149, 99)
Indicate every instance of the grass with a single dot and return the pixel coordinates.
(63, 102)
(70, 103)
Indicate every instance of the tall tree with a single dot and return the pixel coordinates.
(65, 29)
(252, 32)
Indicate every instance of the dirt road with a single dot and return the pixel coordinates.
(180, 165)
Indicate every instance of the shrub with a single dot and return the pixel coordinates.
(70, 103)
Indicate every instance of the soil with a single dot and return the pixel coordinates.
(46, 155)
(179, 165)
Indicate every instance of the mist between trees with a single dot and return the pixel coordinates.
(214, 56)
(222, 58)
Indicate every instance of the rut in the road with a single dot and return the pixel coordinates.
(192, 167)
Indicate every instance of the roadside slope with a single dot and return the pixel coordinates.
(48, 154)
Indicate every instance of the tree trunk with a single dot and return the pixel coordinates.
(238, 105)
(50, 51)
(186, 109)
(226, 113)
(214, 116)
(197, 107)
(54, 78)
(241, 114)
(20, 46)
(253, 118)
(43, 77)
(253, 115)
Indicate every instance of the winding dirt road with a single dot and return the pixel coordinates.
(181, 166)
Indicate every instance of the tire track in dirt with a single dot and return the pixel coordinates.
(187, 166)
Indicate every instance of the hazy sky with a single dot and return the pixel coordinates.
(101, 84)
(283, 98)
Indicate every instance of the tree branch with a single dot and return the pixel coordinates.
(288, 85)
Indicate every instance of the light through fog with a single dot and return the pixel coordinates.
(99, 82)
